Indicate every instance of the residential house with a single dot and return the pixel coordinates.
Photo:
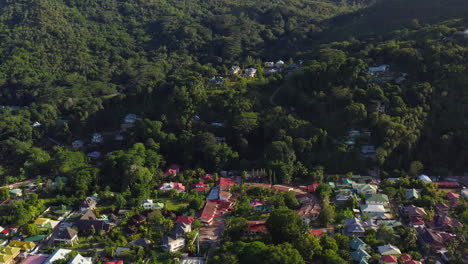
(46, 223)
(79, 259)
(60, 180)
(147, 204)
(173, 244)
(416, 222)
(23, 245)
(464, 193)
(445, 223)
(88, 204)
(368, 149)
(343, 196)
(184, 219)
(142, 242)
(389, 250)
(94, 155)
(207, 177)
(312, 187)
(282, 188)
(279, 64)
(89, 222)
(412, 194)
(317, 232)
(378, 69)
(365, 188)
(424, 178)
(452, 196)
(213, 209)
(225, 184)
(250, 72)
(360, 255)
(77, 144)
(413, 211)
(234, 70)
(377, 199)
(60, 253)
(8, 254)
(67, 235)
(356, 243)
(172, 186)
(201, 187)
(269, 64)
(442, 208)
(435, 240)
(369, 224)
(353, 227)
(130, 119)
(405, 257)
(371, 209)
(388, 259)
(34, 259)
(448, 185)
(97, 138)
(310, 210)
(16, 193)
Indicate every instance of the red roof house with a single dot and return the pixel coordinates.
(207, 177)
(312, 187)
(170, 172)
(184, 219)
(405, 257)
(200, 186)
(213, 209)
(257, 227)
(417, 222)
(114, 262)
(452, 196)
(412, 262)
(389, 259)
(448, 185)
(317, 232)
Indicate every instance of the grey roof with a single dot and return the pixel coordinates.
(67, 233)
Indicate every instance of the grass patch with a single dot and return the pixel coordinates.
(174, 206)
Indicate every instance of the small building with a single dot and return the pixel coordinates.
(250, 72)
(94, 154)
(234, 70)
(67, 235)
(257, 227)
(357, 243)
(353, 227)
(365, 188)
(46, 223)
(424, 178)
(360, 255)
(130, 119)
(89, 222)
(148, 204)
(34, 259)
(379, 69)
(413, 211)
(368, 149)
(97, 138)
(201, 187)
(184, 219)
(77, 144)
(388, 259)
(452, 196)
(269, 64)
(142, 242)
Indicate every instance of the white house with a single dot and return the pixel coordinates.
(67, 235)
(424, 178)
(269, 64)
(173, 244)
(97, 138)
(234, 70)
(250, 72)
(279, 64)
(379, 69)
(78, 259)
(148, 204)
(372, 209)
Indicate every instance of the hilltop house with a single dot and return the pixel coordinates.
(234, 70)
(250, 72)
(172, 186)
(176, 241)
(412, 194)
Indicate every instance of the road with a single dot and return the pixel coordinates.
(18, 184)
(212, 235)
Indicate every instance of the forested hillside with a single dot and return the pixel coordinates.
(78, 67)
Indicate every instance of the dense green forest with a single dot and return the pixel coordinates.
(78, 67)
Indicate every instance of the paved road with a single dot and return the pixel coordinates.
(18, 184)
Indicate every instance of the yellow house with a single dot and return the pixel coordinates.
(24, 246)
(8, 254)
(41, 222)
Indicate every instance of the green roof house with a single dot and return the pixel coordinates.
(14, 193)
(379, 198)
(35, 238)
(412, 194)
(365, 188)
(348, 181)
(357, 243)
(360, 255)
